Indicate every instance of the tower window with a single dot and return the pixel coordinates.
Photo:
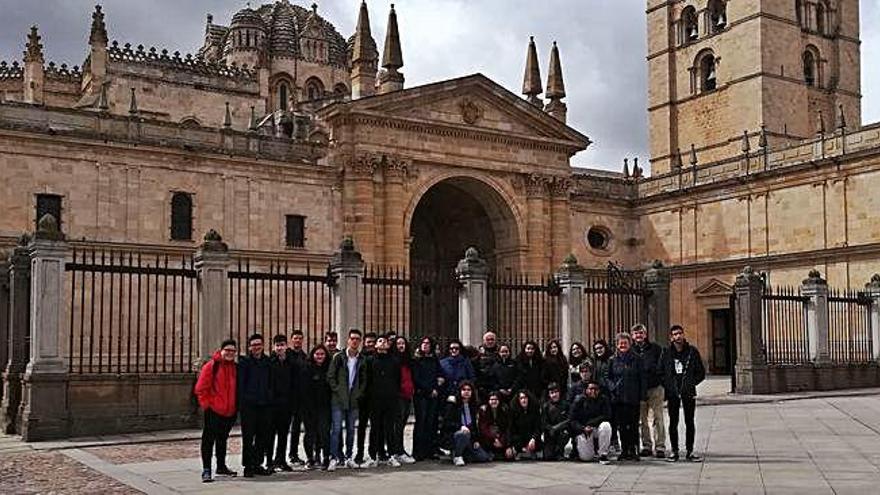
(689, 24)
(314, 89)
(707, 72)
(717, 15)
(295, 231)
(809, 69)
(799, 12)
(48, 204)
(283, 96)
(181, 216)
(820, 18)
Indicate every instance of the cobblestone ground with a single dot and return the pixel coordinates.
(53, 472)
(152, 452)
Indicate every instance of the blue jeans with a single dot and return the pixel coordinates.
(463, 446)
(337, 415)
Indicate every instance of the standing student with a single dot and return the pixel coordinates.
(525, 425)
(347, 380)
(577, 354)
(283, 370)
(383, 393)
(530, 369)
(555, 367)
(653, 429)
(317, 409)
(331, 343)
(254, 397)
(456, 367)
(215, 390)
(298, 359)
(428, 381)
(627, 383)
(554, 422)
(460, 431)
(504, 374)
(682, 371)
(488, 354)
(368, 352)
(403, 354)
(590, 421)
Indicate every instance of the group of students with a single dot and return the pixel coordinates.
(476, 404)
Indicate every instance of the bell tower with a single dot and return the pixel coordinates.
(719, 68)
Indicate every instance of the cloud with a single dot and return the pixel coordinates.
(602, 45)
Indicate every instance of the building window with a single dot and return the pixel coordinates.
(314, 89)
(295, 236)
(689, 24)
(598, 238)
(707, 73)
(717, 15)
(820, 17)
(283, 96)
(340, 90)
(799, 12)
(181, 216)
(810, 68)
(48, 204)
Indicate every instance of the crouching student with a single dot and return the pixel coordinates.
(525, 426)
(215, 390)
(493, 423)
(460, 429)
(590, 422)
(554, 421)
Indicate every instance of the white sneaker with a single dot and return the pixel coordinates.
(393, 462)
(405, 459)
(333, 465)
(369, 464)
(350, 464)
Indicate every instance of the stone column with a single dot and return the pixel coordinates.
(751, 366)
(395, 247)
(872, 289)
(657, 281)
(536, 194)
(347, 267)
(473, 275)
(19, 332)
(816, 289)
(571, 278)
(44, 387)
(212, 268)
(360, 206)
(561, 219)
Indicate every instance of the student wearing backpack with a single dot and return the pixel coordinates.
(215, 390)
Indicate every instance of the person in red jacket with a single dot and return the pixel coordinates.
(215, 390)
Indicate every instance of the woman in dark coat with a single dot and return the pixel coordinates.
(456, 367)
(555, 367)
(428, 380)
(494, 425)
(503, 374)
(317, 408)
(627, 383)
(530, 369)
(525, 426)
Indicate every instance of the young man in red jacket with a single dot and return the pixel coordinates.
(215, 390)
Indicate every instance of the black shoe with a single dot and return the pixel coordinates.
(645, 453)
(691, 457)
(225, 471)
(283, 466)
(296, 461)
(261, 471)
(660, 454)
(672, 457)
(359, 459)
(603, 460)
(206, 476)
(248, 473)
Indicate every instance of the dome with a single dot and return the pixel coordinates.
(286, 22)
(246, 17)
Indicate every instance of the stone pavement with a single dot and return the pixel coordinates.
(821, 445)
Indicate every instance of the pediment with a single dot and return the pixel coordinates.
(713, 287)
(472, 102)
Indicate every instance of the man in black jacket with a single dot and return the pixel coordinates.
(554, 422)
(682, 371)
(368, 352)
(254, 397)
(383, 393)
(282, 369)
(590, 423)
(298, 359)
(652, 406)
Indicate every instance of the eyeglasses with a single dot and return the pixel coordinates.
(256, 344)
(454, 349)
(228, 349)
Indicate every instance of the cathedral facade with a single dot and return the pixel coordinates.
(286, 136)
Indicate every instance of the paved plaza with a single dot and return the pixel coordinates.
(819, 445)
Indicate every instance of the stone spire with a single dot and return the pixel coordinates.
(99, 29)
(626, 168)
(532, 79)
(227, 117)
(98, 58)
(693, 155)
(820, 124)
(841, 118)
(34, 72)
(392, 58)
(746, 147)
(133, 104)
(555, 87)
(364, 57)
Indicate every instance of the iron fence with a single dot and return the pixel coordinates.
(614, 301)
(278, 298)
(131, 312)
(849, 326)
(523, 308)
(784, 326)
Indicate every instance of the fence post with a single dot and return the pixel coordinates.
(45, 412)
(212, 267)
(571, 278)
(473, 275)
(657, 281)
(816, 289)
(872, 289)
(347, 267)
(751, 366)
(19, 330)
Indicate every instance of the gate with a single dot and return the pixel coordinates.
(521, 308)
(614, 301)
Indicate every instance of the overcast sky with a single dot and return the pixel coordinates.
(602, 46)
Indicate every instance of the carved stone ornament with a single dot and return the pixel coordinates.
(47, 229)
(814, 278)
(561, 186)
(364, 164)
(214, 242)
(471, 113)
(874, 283)
(536, 185)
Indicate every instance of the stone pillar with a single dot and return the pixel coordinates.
(19, 332)
(347, 267)
(657, 280)
(44, 387)
(561, 219)
(816, 289)
(360, 210)
(395, 247)
(212, 266)
(571, 278)
(536, 192)
(473, 275)
(751, 366)
(872, 289)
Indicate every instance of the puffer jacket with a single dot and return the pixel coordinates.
(456, 370)
(215, 388)
(626, 380)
